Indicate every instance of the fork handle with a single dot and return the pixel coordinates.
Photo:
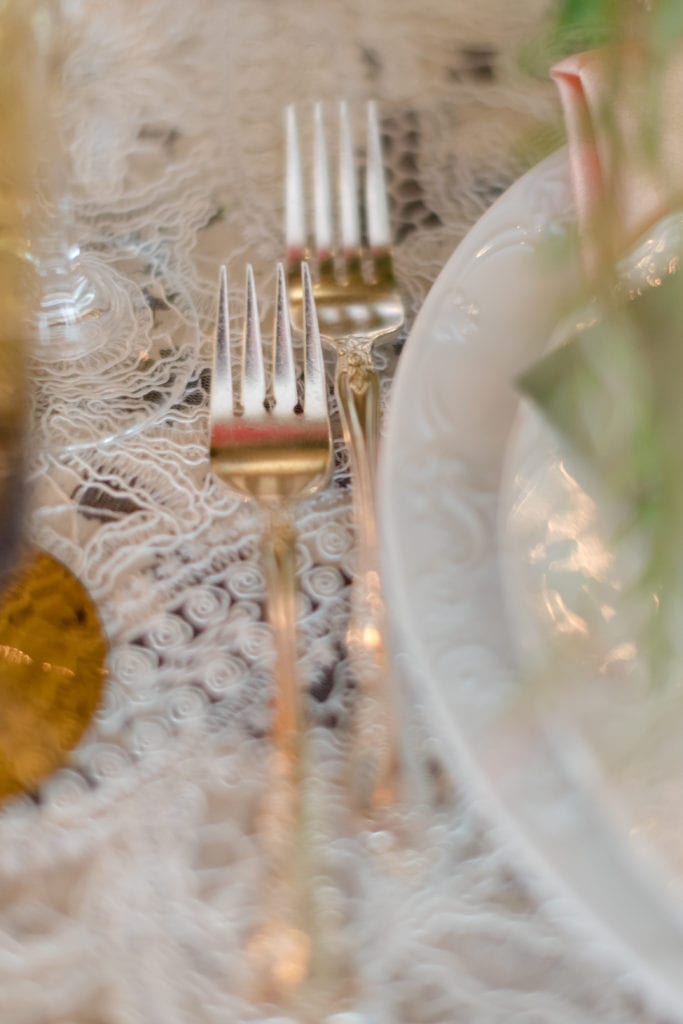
(301, 961)
(377, 745)
(279, 562)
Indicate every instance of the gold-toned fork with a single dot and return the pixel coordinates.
(274, 446)
(268, 447)
(359, 305)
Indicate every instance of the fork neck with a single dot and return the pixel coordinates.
(357, 387)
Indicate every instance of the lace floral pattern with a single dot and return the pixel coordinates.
(131, 878)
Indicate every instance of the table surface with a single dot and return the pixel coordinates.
(130, 880)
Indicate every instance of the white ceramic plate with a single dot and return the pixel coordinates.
(457, 608)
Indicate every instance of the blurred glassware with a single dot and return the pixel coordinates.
(75, 305)
(17, 96)
(115, 340)
(52, 647)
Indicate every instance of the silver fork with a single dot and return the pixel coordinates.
(359, 306)
(267, 450)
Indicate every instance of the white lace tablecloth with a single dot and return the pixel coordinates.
(130, 880)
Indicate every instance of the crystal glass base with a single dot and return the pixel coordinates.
(79, 301)
(112, 355)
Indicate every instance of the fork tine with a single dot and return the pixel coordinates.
(284, 374)
(315, 395)
(221, 400)
(253, 382)
(322, 205)
(295, 210)
(376, 206)
(349, 220)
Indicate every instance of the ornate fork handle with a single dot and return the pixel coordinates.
(357, 386)
(358, 397)
(279, 563)
(303, 964)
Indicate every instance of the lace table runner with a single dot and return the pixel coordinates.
(131, 878)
